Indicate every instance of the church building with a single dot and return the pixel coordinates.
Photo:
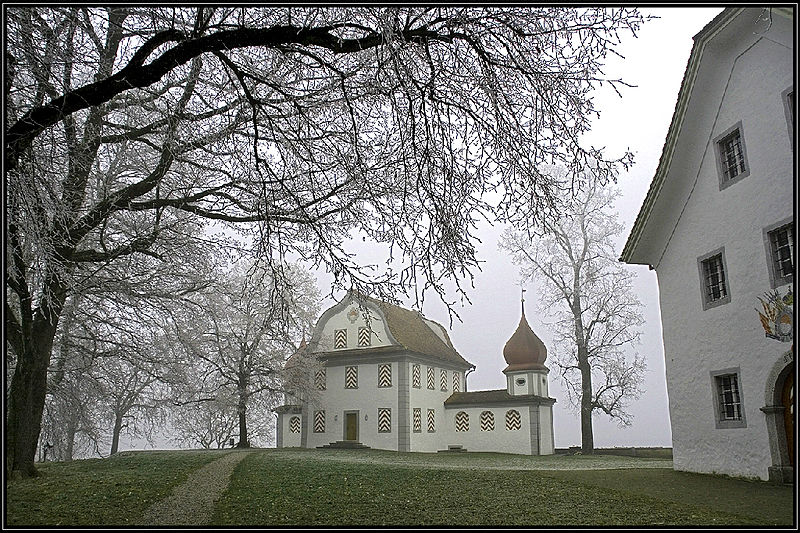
(381, 376)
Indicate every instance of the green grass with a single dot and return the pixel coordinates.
(386, 488)
(113, 491)
(371, 487)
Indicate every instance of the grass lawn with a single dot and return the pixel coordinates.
(315, 487)
(371, 487)
(111, 491)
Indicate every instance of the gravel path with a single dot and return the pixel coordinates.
(192, 503)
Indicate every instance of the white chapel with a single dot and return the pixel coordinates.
(386, 377)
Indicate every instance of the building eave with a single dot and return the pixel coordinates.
(678, 116)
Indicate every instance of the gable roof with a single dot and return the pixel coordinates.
(406, 329)
(687, 85)
(641, 248)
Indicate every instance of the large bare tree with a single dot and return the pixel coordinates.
(590, 296)
(304, 126)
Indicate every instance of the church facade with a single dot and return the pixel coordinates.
(385, 377)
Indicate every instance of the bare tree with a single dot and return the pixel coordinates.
(597, 315)
(307, 125)
(238, 338)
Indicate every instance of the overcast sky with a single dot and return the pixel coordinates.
(655, 63)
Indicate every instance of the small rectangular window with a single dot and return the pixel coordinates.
(416, 379)
(385, 375)
(364, 337)
(384, 420)
(319, 421)
(713, 279)
(320, 379)
(340, 338)
(431, 421)
(781, 243)
(732, 155)
(351, 377)
(728, 401)
(417, 420)
(431, 378)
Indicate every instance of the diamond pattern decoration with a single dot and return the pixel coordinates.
(513, 420)
(416, 379)
(444, 379)
(319, 421)
(351, 377)
(294, 424)
(462, 421)
(431, 420)
(364, 337)
(487, 421)
(384, 420)
(456, 382)
(320, 379)
(385, 375)
(340, 338)
(417, 420)
(431, 378)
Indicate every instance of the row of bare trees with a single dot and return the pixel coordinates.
(135, 135)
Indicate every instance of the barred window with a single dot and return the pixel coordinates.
(714, 279)
(781, 243)
(732, 155)
(730, 407)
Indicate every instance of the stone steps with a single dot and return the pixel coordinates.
(345, 444)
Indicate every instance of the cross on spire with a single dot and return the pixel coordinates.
(522, 297)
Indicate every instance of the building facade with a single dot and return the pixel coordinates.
(385, 377)
(717, 225)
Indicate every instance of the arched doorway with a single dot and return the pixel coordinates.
(787, 400)
(779, 411)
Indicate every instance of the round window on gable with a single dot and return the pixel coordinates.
(520, 381)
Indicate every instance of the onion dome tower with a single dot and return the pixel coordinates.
(525, 354)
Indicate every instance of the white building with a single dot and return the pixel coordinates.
(717, 225)
(386, 377)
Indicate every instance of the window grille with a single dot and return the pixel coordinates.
(730, 406)
(714, 273)
(782, 243)
(731, 156)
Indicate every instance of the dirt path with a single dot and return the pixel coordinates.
(192, 503)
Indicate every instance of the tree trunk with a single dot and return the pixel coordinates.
(587, 435)
(242, 409)
(27, 396)
(115, 434)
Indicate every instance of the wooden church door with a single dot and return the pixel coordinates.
(351, 426)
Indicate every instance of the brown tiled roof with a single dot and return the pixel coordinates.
(410, 330)
(486, 397)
